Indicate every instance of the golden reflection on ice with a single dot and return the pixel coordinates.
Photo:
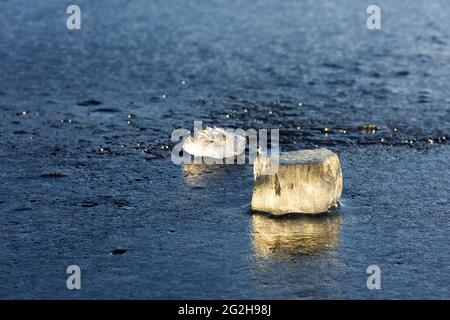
(195, 174)
(294, 236)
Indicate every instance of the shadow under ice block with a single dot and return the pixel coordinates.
(307, 181)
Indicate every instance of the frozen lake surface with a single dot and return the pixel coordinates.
(85, 167)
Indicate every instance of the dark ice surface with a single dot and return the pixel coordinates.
(86, 176)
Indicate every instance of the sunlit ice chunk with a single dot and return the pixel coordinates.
(306, 181)
(215, 143)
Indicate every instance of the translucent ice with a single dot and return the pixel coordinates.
(307, 181)
(215, 143)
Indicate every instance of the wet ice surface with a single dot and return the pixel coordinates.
(85, 170)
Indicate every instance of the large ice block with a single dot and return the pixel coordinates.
(307, 181)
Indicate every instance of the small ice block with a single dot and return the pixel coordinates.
(214, 143)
